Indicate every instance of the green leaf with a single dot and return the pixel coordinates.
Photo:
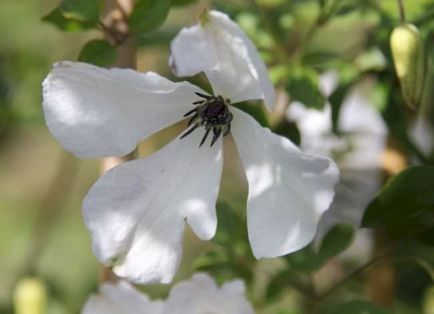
(56, 18)
(405, 204)
(229, 225)
(303, 85)
(305, 260)
(98, 52)
(178, 3)
(148, 15)
(337, 240)
(357, 307)
(220, 263)
(210, 260)
(336, 100)
(319, 58)
(256, 111)
(81, 10)
(288, 130)
(274, 291)
(279, 282)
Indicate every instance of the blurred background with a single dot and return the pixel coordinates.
(42, 186)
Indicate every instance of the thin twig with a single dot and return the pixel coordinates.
(401, 11)
(387, 254)
(353, 274)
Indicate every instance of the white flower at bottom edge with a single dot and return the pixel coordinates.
(136, 212)
(199, 295)
(121, 298)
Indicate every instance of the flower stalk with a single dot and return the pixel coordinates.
(401, 11)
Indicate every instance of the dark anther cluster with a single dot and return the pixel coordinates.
(212, 113)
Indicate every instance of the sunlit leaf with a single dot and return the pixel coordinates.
(81, 10)
(56, 18)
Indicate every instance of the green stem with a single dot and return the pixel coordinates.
(355, 273)
(401, 11)
(387, 254)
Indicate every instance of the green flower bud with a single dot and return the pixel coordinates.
(428, 301)
(30, 296)
(408, 55)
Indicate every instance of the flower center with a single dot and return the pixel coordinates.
(212, 112)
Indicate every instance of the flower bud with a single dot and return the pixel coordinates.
(428, 301)
(30, 296)
(409, 58)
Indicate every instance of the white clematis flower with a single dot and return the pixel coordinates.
(357, 150)
(199, 295)
(137, 211)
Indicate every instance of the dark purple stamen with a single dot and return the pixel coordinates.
(212, 112)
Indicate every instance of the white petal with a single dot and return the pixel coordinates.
(231, 62)
(201, 295)
(97, 112)
(136, 211)
(121, 298)
(288, 190)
